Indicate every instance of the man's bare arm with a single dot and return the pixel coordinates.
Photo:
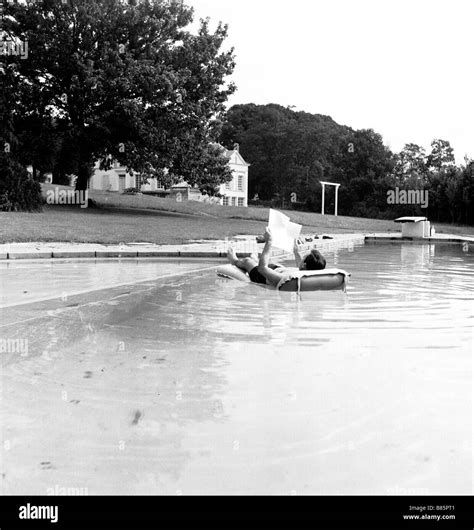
(298, 256)
(272, 277)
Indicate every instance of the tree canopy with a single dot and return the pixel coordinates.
(129, 81)
(108, 80)
(291, 152)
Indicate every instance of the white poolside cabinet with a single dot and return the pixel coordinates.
(417, 227)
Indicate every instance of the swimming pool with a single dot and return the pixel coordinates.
(194, 384)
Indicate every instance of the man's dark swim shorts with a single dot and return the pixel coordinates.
(256, 277)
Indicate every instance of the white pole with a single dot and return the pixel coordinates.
(337, 193)
(324, 192)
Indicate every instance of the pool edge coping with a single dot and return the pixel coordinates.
(167, 251)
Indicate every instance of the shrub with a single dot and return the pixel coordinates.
(161, 194)
(131, 191)
(17, 191)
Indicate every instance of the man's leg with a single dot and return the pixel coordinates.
(273, 278)
(246, 264)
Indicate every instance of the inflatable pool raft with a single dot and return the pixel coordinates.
(295, 280)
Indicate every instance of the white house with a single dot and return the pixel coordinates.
(235, 193)
(115, 179)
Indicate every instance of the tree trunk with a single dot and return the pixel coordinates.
(83, 176)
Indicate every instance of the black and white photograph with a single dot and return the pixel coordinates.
(236, 252)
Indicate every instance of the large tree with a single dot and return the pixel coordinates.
(411, 164)
(289, 151)
(365, 166)
(17, 191)
(441, 156)
(125, 81)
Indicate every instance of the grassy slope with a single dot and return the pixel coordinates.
(150, 219)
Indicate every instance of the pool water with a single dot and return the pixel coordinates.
(23, 282)
(193, 384)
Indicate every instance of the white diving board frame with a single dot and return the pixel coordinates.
(337, 186)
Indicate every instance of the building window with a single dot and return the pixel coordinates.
(241, 201)
(240, 185)
(225, 201)
(227, 185)
(138, 182)
(234, 201)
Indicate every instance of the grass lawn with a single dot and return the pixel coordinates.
(122, 218)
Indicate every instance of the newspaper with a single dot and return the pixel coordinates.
(284, 232)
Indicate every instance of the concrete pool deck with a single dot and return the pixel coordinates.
(438, 238)
(244, 245)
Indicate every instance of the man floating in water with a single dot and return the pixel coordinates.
(267, 273)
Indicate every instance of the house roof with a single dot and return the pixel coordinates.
(231, 153)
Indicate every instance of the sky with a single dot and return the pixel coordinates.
(404, 68)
